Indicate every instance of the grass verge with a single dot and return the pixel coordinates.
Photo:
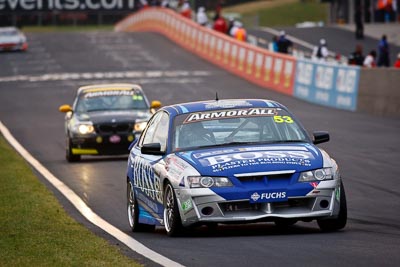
(34, 228)
(281, 13)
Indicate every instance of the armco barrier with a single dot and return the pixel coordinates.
(260, 66)
(326, 84)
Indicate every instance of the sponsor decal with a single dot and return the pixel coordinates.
(337, 194)
(187, 205)
(112, 93)
(115, 139)
(255, 196)
(314, 184)
(228, 104)
(253, 158)
(268, 196)
(230, 113)
(145, 178)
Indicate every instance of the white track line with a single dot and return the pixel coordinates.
(81, 206)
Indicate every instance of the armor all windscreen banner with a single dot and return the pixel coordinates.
(67, 5)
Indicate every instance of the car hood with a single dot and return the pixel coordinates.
(231, 161)
(114, 116)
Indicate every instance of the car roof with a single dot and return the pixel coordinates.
(200, 106)
(109, 87)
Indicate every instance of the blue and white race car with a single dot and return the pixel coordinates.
(231, 161)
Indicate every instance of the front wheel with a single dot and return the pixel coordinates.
(69, 156)
(330, 225)
(172, 219)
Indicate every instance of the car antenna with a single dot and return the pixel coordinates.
(216, 96)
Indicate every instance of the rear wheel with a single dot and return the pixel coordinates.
(330, 225)
(133, 212)
(172, 219)
(68, 150)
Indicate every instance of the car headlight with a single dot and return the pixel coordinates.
(139, 126)
(85, 129)
(316, 175)
(207, 182)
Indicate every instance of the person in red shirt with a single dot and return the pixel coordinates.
(397, 63)
(220, 24)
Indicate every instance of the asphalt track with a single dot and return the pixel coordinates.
(366, 147)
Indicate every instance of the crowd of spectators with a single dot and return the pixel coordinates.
(281, 44)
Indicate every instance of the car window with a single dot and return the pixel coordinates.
(161, 133)
(247, 125)
(111, 100)
(150, 134)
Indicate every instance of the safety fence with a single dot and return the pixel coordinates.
(325, 84)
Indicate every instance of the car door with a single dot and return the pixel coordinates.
(146, 167)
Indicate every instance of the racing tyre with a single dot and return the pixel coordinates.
(133, 212)
(69, 156)
(172, 219)
(330, 225)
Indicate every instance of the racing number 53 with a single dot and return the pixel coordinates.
(282, 119)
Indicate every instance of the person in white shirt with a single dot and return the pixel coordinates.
(370, 60)
(321, 52)
(201, 16)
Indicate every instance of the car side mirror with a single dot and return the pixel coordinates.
(65, 108)
(155, 104)
(320, 137)
(152, 149)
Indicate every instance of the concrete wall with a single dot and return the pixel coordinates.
(379, 92)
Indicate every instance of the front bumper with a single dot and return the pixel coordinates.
(13, 47)
(202, 209)
(105, 144)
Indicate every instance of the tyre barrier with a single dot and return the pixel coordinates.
(317, 82)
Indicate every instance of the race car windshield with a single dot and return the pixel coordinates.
(111, 101)
(236, 126)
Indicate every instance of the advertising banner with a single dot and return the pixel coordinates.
(67, 5)
(327, 84)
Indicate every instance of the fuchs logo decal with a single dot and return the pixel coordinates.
(230, 113)
(255, 196)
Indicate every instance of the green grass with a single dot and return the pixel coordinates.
(34, 228)
(78, 28)
(287, 14)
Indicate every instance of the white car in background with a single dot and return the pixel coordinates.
(12, 39)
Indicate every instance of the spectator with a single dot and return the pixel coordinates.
(369, 61)
(233, 29)
(165, 3)
(230, 25)
(220, 24)
(321, 52)
(201, 16)
(383, 52)
(186, 10)
(284, 44)
(357, 57)
(273, 45)
(397, 63)
(240, 34)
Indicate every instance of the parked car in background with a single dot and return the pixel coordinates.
(12, 39)
(105, 119)
(231, 161)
